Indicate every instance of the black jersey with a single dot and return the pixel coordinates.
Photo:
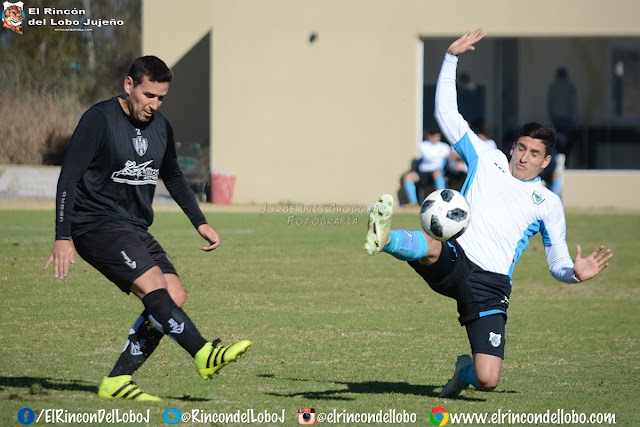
(111, 170)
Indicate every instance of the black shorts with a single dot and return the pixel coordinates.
(479, 293)
(487, 335)
(426, 178)
(122, 253)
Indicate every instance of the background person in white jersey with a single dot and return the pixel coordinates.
(508, 205)
(434, 155)
(433, 159)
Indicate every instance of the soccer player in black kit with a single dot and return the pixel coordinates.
(118, 151)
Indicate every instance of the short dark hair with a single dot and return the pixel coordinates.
(562, 73)
(537, 131)
(152, 67)
(432, 130)
(479, 126)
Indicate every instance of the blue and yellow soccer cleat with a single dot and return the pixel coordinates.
(121, 387)
(454, 386)
(379, 224)
(213, 356)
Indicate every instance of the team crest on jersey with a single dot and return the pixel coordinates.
(140, 143)
(537, 198)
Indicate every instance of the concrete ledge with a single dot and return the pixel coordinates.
(617, 190)
(602, 190)
(38, 182)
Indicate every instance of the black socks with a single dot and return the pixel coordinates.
(172, 320)
(143, 340)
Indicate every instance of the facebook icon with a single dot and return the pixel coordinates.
(26, 416)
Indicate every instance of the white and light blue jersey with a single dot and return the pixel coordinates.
(433, 155)
(505, 211)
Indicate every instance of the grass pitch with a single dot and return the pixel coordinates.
(332, 327)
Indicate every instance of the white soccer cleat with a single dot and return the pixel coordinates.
(454, 386)
(379, 224)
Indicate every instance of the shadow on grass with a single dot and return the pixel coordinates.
(47, 384)
(187, 398)
(365, 387)
(40, 386)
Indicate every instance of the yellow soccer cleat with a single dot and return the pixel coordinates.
(121, 387)
(213, 356)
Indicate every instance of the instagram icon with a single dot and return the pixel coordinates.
(306, 416)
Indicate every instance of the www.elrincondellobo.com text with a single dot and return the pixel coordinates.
(549, 417)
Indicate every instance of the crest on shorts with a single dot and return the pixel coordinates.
(140, 143)
(495, 339)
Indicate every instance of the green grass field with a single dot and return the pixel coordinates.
(332, 327)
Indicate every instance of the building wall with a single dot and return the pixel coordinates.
(335, 121)
(596, 190)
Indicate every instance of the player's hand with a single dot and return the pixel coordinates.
(586, 268)
(466, 42)
(61, 256)
(210, 235)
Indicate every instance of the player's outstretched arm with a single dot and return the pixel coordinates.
(210, 235)
(586, 268)
(466, 42)
(61, 256)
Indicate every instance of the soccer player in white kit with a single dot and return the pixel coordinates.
(434, 155)
(508, 205)
(433, 158)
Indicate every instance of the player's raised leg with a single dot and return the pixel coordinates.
(379, 224)
(405, 245)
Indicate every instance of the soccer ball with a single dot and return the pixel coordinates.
(445, 215)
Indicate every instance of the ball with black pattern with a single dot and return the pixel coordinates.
(445, 214)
